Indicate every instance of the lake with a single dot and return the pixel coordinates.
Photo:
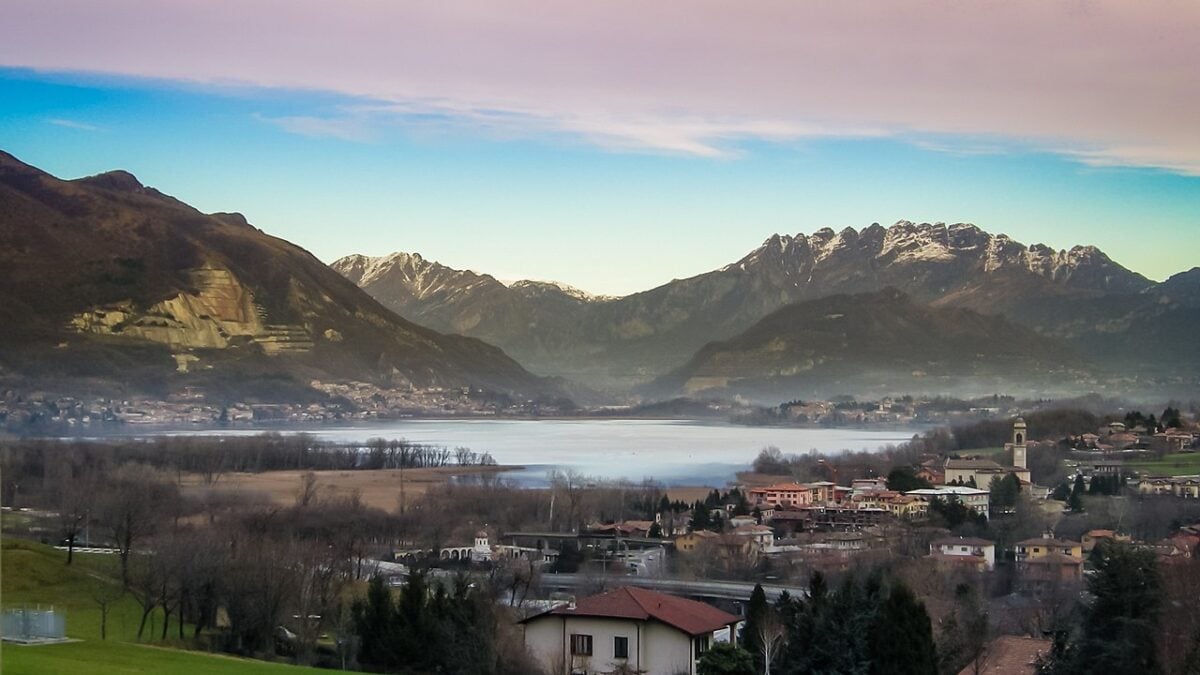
(676, 452)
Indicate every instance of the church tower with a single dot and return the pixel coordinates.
(1020, 436)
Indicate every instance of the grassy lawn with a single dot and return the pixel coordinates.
(118, 658)
(1180, 464)
(36, 574)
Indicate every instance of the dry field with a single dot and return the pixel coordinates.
(377, 488)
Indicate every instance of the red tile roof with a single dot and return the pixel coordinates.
(627, 602)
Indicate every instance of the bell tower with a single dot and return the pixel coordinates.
(1020, 436)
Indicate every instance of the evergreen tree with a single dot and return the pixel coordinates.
(1120, 626)
(901, 636)
(724, 658)
(373, 621)
(903, 479)
(1075, 502)
(1062, 492)
(1171, 418)
(756, 612)
(1004, 492)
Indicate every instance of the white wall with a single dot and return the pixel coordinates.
(663, 650)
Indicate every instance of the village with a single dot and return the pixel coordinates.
(594, 576)
(1024, 551)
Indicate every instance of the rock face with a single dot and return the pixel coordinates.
(875, 344)
(216, 312)
(618, 343)
(111, 281)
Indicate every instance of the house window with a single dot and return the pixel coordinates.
(581, 645)
(701, 645)
(620, 648)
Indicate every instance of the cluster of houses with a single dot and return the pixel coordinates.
(1187, 487)
(1116, 437)
(1040, 563)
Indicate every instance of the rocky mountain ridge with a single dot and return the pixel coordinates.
(1073, 294)
(112, 284)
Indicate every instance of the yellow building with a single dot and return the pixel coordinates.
(692, 540)
(1031, 549)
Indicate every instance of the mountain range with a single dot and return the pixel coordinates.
(874, 344)
(1094, 307)
(113, 286)
(110, 285)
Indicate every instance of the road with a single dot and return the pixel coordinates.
(724, 590)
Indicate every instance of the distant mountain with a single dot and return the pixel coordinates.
(538, 320)
(1182, 288)
(621, 342)
(875, 344)
(111, 283)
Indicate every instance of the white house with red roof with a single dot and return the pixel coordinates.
(632, 628)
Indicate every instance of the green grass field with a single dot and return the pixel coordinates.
(35, 574)
(120, 658)
(1179, 464)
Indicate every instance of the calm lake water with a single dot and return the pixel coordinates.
(676, 452)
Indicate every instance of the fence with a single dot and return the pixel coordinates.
(32, 624)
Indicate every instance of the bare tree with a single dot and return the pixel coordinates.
(105, 594)
(135, 502)
(308, 489)
(771, 636)
(75, 498)
(515, 577)
(568, 486)
(320, 579)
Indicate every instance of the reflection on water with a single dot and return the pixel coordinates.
(675, 452)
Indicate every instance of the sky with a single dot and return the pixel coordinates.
(617, 145)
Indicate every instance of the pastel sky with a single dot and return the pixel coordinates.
(616, 145)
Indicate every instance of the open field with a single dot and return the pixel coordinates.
(35, 574)
(377, 488)
(117, 658)
(1179, 464)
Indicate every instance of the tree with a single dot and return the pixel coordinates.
(901, 636)
(132, 506)
(105, 594)
(1120, 627)
(903, 479)
(307, 492)
(965, 632)
(75, 497)
(756, 610)
(1075, 502)
(770, 635)
(723, 658)
(1004, 492)
(1171, 418)
(1062, 492)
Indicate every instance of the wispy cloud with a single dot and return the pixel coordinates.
(72, 124)
(354, 128)
(694, 77)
